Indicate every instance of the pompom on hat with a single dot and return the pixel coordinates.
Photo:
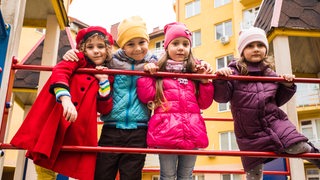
(85, 33)
(174, 30)
(132, 27)
(251, 35)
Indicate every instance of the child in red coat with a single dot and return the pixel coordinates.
(65, 111)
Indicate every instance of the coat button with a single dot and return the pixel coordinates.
(82, 89)
(75, 103)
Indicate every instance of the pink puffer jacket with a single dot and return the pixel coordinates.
(181, 126)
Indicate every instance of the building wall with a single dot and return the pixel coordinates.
(209, 50)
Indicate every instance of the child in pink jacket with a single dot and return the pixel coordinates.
(177, 122)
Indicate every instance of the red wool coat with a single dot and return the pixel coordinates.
(45, 130)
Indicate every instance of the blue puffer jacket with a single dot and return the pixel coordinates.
(127, 112)
(259, 123)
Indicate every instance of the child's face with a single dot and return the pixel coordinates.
(136, 48)
(96, 50)
(179, 49)
(255, 52)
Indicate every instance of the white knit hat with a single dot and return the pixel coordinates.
(251, 35)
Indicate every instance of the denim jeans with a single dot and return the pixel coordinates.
(176, 167)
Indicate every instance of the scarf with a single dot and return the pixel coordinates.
(175, 66)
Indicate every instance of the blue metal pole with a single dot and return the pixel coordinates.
(4, 40)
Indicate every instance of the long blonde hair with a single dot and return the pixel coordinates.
(160, 99)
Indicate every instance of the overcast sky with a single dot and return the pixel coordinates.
(105, 13)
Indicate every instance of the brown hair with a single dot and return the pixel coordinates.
(242, 65)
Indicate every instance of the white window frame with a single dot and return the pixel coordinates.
(155, 177)
(249, 19)
(40, 30)
(194, 177)
(230, 136)
(193, 8)
(225, 31)
(308, 94)
(315, 139)
(221, 106)
(312, 176)
(219, 3)
(196, 38)
(226, 62)
(232, 176)
(158, 51)
(198, 177)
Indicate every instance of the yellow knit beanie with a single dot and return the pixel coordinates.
(132, 27)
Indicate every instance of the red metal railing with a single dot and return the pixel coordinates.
(16, 66)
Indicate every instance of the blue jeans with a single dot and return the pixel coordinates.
(176, 167)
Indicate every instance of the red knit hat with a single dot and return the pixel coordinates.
(85, 33)
(175, 30)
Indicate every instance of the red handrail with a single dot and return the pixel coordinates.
(167, 74)
(16, 66)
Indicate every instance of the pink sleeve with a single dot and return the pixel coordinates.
(146, 89)
(205, 97)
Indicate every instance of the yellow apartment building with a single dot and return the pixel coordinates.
(215, 26)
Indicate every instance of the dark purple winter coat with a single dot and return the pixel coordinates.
(259, 123)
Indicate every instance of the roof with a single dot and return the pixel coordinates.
(37, 11)
(299, 20)
(290, 14)
(29, 79)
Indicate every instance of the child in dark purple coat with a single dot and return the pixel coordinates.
(259, 123)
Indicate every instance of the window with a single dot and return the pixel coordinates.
(74, 27)
(223, 29)
(230, 177)
(193, 8)
(155, 177)
(228, 141)
(249, 17)
(311, 129)
(159, 48)
(218, 3)
(223, 62)
(312, 174)
(196, 38)
(308, 94)
(194, 177)
(198, 177)
(222, 107)
(40, 30)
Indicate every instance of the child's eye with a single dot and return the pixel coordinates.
(101, 46)
(175, 43)
(130, 44)
(250, 45)
(260, 45)
(142, 41)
